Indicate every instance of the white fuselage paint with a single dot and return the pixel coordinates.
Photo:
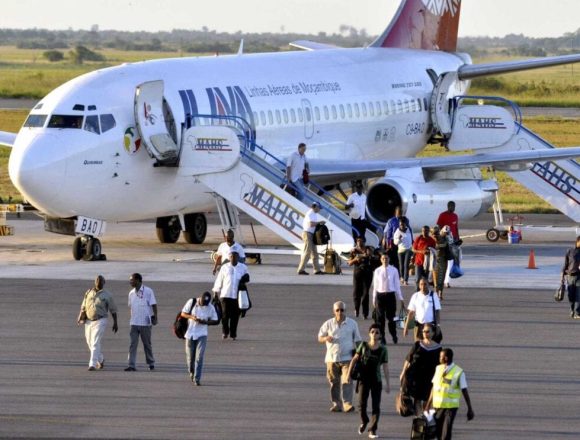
(69, 172)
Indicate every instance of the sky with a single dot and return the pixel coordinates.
(539, 18)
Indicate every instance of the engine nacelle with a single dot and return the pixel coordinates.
(422, 202)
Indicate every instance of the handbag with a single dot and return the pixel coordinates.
(402, 318)
(243, 300)
(560, 291)
(404, 404)
(356, 373)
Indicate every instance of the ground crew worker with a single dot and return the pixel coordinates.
(448, 384)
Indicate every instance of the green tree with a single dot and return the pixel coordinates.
(81, 54)
(53, 55)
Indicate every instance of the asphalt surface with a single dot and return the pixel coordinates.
(519, 348)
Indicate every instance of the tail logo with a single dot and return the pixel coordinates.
(440, 7)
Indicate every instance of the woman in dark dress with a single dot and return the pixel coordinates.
(419, 368)
(362, 276)
(372, 355)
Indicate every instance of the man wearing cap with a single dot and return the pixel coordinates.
(227, 285)
(296, 165)
(357, 203)
(311, 220)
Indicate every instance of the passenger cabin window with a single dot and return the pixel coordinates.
(35, 120)
(285, 115)
(308, 114)
(107, 122)
(300, 115)
(419, 105)
(371, 109)
(270, 117)
(349, 110)
(92, 124)
(363, 107)
(425, 105)
(341, 108)
(379, 112)
(65, 121)
(356, 110)
(262, 117)
(293, 115)
(326, 114)
(333, 108)
(317, 113)
(278, 117)
(386, 107)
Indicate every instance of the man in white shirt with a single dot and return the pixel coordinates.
(295, 166)
(143, 306)
(221, 256)
(386, 292)
(421, 307)
(200, 314)
(227, 285)
(311, 219)
(357, 202)
(341, 336)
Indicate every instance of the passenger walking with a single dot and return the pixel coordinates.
(223, 252)
(422, 249)
(96, 305)
(143, 307)
(341, 336)
(386, 292)
(448, 384)
(403, 239)
(372, 355)
(297, 169)
(311, 220)
(443, 256)
(357, 202)
(200, 313)
(389, 232)
(424, 308)
(419, 367)
(227, 285)
(571, 275)
(360, 258)
(450, 219)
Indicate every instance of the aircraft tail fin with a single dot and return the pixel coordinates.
(423, 24)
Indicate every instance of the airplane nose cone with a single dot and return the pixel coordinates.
(37, 169)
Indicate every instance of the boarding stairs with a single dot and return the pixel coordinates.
(222, 157)
(498, 128)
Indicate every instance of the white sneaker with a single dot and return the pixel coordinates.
(373, 435)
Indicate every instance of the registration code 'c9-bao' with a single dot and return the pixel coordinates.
(416, 128)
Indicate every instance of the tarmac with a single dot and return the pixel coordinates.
(518, 346)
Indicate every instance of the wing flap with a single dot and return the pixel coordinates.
(7, 139)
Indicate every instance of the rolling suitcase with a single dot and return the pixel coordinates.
(423, 430)
(332, 261)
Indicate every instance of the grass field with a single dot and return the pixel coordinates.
(514, 197)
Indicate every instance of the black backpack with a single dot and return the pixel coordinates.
(180, 324)
(321, 235)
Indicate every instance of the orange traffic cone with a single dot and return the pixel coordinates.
(532, 260)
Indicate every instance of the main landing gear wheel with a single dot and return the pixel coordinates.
(195, 228)
(79, 248)
(492, 235)
(168, 229)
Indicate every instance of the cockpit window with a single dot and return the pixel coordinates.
(107, 122)
(65, 121)
(35, 120)
(92, 124)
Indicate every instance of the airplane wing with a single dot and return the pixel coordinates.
(470, 71)
(312, 45)
(7, 139)
(333, 171)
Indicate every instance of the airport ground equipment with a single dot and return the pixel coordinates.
(5, 229)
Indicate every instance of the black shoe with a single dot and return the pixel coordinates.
(151, 367)
(302, 272)
(101, 365)
(197, 383)
(130, 369)
(395, 339)
(92, 369)
(318, 272)
(356, 314)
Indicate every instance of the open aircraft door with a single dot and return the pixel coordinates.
(151, 113)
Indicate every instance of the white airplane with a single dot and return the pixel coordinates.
(163, 139)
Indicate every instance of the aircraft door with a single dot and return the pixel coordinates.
(308, 119)
(154, 120)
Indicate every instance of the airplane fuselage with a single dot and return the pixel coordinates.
(345, 104)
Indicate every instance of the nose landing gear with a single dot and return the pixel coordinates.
(88, 248)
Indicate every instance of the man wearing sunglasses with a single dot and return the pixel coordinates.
(341, 336)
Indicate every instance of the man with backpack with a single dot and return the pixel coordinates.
(311, 220)
(200, 313)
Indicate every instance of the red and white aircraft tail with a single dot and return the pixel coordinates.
(423, 24)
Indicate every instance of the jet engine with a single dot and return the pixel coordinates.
(422, 202)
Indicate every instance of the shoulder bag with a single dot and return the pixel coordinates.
(356, 373)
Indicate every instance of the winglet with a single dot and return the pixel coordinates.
(423, 24)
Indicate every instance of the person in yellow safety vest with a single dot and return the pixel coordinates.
(448, 384)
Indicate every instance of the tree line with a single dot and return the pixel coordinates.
(83, 44)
